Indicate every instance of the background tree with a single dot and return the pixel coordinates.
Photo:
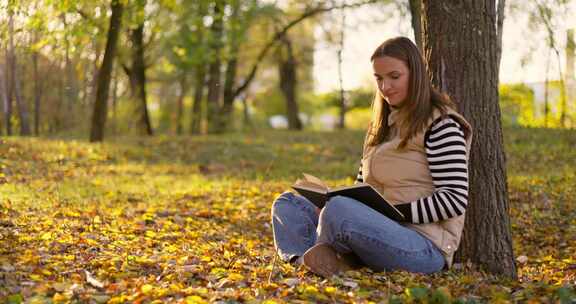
(137, 70)
(215, 64)
(14, 83)
(105, 72)
(288, 80)
(416, 20)
(465, 64)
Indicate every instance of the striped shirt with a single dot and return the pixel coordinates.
(446, 153)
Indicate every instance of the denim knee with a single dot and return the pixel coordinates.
(282, 199)
(335, 210)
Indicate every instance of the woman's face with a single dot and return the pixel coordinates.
(391, 76)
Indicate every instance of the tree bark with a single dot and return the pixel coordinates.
(465, 65)
(499, 28)
(214, 86)
(104, 74)
(137, 75)
(416, 18)
(288, 80)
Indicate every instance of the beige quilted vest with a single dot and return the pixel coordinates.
(403, 176)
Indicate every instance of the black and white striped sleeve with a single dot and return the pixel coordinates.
(359, 177)
(447, 160)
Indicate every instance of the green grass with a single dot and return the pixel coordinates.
(186, 219)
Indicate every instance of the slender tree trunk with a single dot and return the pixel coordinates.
(114, 125)
(71, 89)
(100, 104)
(563, 104)
(4, 98)
(180, 110)
(288, 80)
(23, 114)
(94, 75)
(37, 94)
(416, 17)
(231, 69)
(196, 115)
(247, 120)
(59, 114)
(9, 93)
(570, 82)
(214, 86)
(342, 118)
(228, 102)
(473, 84)
(546, 88)
(137, 76)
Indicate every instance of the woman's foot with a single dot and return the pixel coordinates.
(323, 260)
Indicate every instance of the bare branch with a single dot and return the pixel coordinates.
(280, 34)
(89, 18)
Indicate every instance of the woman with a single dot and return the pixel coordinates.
(415, 154)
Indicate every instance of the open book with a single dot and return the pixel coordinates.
(318, 193)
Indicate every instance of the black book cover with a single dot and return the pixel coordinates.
(361, 192)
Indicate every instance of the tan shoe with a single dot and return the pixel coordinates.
(323, 260)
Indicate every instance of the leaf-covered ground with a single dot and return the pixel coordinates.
(181, 219)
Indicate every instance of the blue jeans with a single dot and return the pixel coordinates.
(351, 227)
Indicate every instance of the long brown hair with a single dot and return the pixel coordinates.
(421, 101)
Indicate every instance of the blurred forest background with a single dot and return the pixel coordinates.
(174, 205)
(76, 68)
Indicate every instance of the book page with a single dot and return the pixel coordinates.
(314, 180)
(354, 186)
(310, 186)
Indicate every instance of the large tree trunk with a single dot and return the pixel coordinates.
(137, 75)
(101, 102)
(214, 86)
(465, 64)
(15, 80)
(416, 17)
(288, 80)
(196, 119)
